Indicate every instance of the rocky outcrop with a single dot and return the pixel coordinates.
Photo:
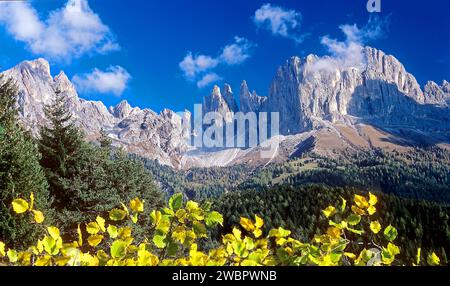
(374, 105)
(382, 93)
(438, 95)
(155, 136)
(250, 102)
(223, 105)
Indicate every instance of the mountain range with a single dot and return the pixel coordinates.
(325, 109)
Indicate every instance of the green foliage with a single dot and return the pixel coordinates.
(174, 237)
(85, 179)
(20, 172)
(301, 209)
(61, 147)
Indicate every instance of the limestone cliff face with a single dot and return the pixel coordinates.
(155, 136)
(382, 93)
(312, 100)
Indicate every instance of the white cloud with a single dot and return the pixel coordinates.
(114, 81)
(69, 32)
(349, 53)
(207, 79)
(280, 21)
(193, 65)
(236, 53)
(199, 67)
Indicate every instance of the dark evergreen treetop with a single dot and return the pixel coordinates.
(20, 172)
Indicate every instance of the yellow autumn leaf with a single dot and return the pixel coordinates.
(361, 202)
(38, 216)
(101, 223)
(373, 200)
(40, 246)
(344, 204)
(92, 228)
(54, 232)
(375, 227)
(2, 249)
(334, 232)
(419, 256)
(113, 231)
(134, 218)
(12, 255)
(372, 210)
(350, 255)
(358, 211)
(247, 224)
(329, 211)
(259, 222)
(433, 259)
(136, 205)
(31, 201)
(20, 206)
(257, 232)
(95, 240)
(237, 233)
(80, 236)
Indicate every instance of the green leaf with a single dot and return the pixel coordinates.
(118, 249)
(158, 240)
(50, 245)
(343, 205)
(117, 214)
(176, 202)
(214, 218)
(390, 233)
(12, 256)
(155, 217)
(172, 248)
(199, 229)
(113, 231)
(354, 219)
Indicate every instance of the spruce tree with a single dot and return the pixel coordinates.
(20, 173)
(60, 145)
(84, 179)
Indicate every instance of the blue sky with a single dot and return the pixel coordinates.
(134, 49)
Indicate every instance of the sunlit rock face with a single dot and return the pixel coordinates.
(326, 105)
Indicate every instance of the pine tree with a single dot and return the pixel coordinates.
(104, 140)
(86, 179)
(60, 145)
(20, 173)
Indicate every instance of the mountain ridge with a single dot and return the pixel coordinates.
(382, 106)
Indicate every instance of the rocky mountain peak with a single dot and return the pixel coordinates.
(308, 101)
(435, 94)
(250, 102)
(40, 66)
(64, 85)
(229, 98)
(446, 86)
(215, 102)
(122, 110)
